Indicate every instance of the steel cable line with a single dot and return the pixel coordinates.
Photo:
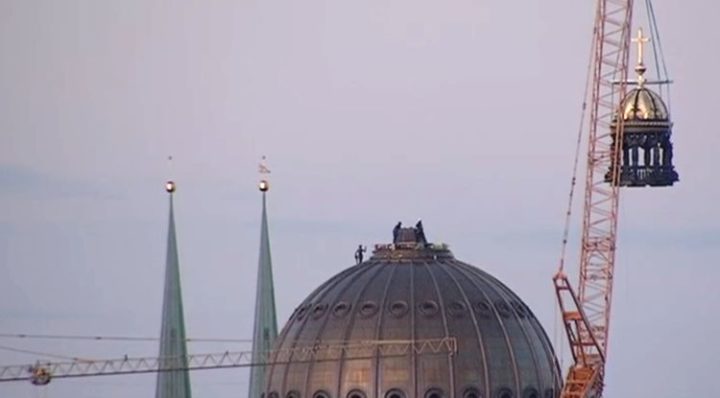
(40, 353)
(113, 338)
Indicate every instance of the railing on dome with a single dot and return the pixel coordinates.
(42, 373)
(411, 245)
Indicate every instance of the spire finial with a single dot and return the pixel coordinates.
(170, 184)
(263, 185)
(640, 68)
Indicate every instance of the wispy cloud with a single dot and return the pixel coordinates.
(16, 180)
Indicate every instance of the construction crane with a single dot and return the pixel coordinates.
(618, 130)
(42, 373)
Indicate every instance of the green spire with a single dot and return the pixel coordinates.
(173, 351)
(265, 327)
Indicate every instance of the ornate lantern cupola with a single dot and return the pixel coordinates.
(643, 122)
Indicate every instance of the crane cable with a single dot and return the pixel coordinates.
(43, 354)
(658, 54)
(113, 338)
(571, 194)
(576, 161)
(93, 338)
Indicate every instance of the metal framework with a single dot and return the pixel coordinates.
(42, 373)
(586, 316)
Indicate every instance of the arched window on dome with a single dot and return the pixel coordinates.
(471, 392)
(319, 310)
(429, 308)
(293, 394)
(531, 392)
(434, 393)
(341, 309)
(398, 308)
(321, 394)
(356, 394)
(368, 309)
(395, 393)
(505, 393)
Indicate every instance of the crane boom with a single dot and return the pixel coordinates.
(586, 315)
(42, 373)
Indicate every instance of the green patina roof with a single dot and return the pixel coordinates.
(173, 349)
(265, 324)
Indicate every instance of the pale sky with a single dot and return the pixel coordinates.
(462, 113)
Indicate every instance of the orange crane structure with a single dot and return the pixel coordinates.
(622, 124)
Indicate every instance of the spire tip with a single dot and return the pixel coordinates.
(263, 186)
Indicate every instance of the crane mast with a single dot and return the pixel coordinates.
(586, 315)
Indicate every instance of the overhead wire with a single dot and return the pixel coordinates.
(27, 336)
(114, 338)
(41, 353)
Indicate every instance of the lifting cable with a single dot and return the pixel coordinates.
(43, 354)
(571, 194)
(576, 161)
(91, 338)
(112, 338)
(658, 54)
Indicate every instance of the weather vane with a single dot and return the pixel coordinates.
(170, 184)
(264, 185)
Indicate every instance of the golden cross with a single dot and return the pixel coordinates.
(640, 40)
(640, 68)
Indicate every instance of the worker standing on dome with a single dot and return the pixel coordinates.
(396, 231)
(420, 233)
(359, 254)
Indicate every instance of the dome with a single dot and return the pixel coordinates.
(643, 104)
(413, 291)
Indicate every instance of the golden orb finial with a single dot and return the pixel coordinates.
(263, 186)
(170, 186)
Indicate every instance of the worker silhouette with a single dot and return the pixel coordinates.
(420, 233)
(359, 254)
(396, 232)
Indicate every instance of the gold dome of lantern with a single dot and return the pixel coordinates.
(643, 104)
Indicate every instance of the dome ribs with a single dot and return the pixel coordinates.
(467, 271)
(443, 317)
(370, 272)
(525, 380)
(481, 348)
(411, 293)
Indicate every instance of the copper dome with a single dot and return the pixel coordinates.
(412, 291)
